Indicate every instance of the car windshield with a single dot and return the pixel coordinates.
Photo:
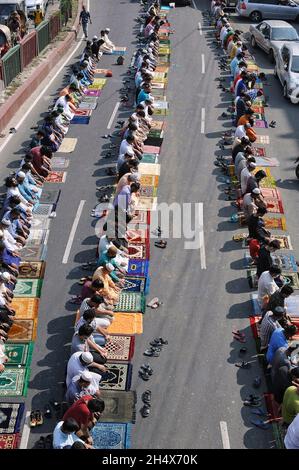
(295, 64)
(284, 34)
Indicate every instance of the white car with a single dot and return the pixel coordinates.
(287, 70)
(271, 35)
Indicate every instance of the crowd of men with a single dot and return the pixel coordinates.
(275, 326)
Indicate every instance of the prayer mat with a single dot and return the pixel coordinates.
(60, 162)
(50, 196)
(285, 262)
(28, 288)
(131, 302)
(87, 106)
(151, 149)
(139, 235)
(148, 191)
(43, 209)
(33, 253)
(154, 141)
(111, 435)
(260, 117)
(162, 51)
(31, 270)
(149, 180)
(14, 381)
(89, 99)
(93, 93)
(37, 237)
(147, 204)
(40, 222)
(158, 86)
(155, 133)
(126, 324)
(149, 169)
(262, 139)
(138, 267)
(80, 120)
(134, 284)
(83, 112)
(120, 407)
(267, 161)
(260, 124)
(138, 251)
(157, 125)
(159, 75)
(149, 158)
(56, 177)
(268, 182)
(258, 109)
(19, 353)
(96, 86)
(292, 305)
(258, 86)
(259, 151)
(271, 193)
(285, 242)
(120, 348)
(141, 217)
(161, 108)
(251, 278)
(26, 308)
(278, 223)
(274, 206)
(23, 330)
(68, 145)
(292, 279)
(11, 415)
(10, 441)
(119, 377)
(119, 50)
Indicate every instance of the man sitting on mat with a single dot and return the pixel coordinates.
(266, 283)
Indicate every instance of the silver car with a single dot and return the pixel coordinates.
(271, 35)
(287, 70)
(257, 10)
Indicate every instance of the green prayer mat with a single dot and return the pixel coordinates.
(19, 353)
(14, 381)
(149, 158)
(292, 279)
(131, 302)
(28, 288)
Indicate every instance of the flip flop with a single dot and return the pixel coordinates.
(144, 375)
(161, 244)
(260, 424)
(32, 419)
(152, 302)
(147, 368)
(146, 397)
(243, 365)
(145, 411)
(39, 418)
(151, 352)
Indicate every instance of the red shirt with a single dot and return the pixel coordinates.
(79, 411)
(38, 159)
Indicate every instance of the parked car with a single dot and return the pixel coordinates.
(257, 10)
(7, 6)
(287, 70)
(271, 35)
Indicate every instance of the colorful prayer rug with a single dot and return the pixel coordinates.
(258, 109)
(32, 270)
(26, 308)
(147, 204)
(33, 253)
(101, 71)
(251, 278)
(111, 435)
(50, 196)
(68, 145)
(11, 415)
(149, 169)
(149, 180)
(148, 191)
(43, 209)
(60, 163)
(285, 242)
(37, 237)
(162, 68)
(139, 235)
(161, 108)
(19, 353)
(151, 149)
(9, 441)
(28, 288)
(134, 284)
(87, 106)
(120, 407)
(40, 222)
(83, 112)
(268, 182)
(292, 305)
(138, 251)
(271, 193)
(274, 206)
(126, 324)
(260, 124)
(138, 267)
(93, 93)
(285, 262)
(131, 302)
(140, 217)
(267, 161)
(262, 139)
(259, 151)
(14, 381)
(57, 177)
(97, 86)
(272, 223)
(120, 348)
(23, 330)
(80, 120)
(119, 377)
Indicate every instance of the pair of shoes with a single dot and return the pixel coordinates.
(272, 124)
(239, 336)
(243, 365)
(145, 410)
(36, 418)
(146, 397)
(145, 373)
(158, 342)
(154, 303)
(152, 352)
(161, 244)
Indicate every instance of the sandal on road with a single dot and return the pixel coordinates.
(146, 397)
(161, 244)
(39, 418)
(152, 352)
(154, 303)
(144, 375)
(32, 419)
(243, 365)
(145, 411)
(147, 368)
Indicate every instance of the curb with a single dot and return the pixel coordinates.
(8, 109)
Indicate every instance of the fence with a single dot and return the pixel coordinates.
(18, 57)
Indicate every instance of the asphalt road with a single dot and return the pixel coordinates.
(195, 384)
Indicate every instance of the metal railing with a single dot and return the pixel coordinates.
(28, 48)
(55, 25)
(43, 35)
(11, 63)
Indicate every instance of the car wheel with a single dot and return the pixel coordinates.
(256, 17)
(285, 91)
(253, 42)
(271, 56)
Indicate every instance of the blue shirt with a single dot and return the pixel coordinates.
(142, 96)
(278, 340)
(241, 87)
(252, 94)
(233, 66)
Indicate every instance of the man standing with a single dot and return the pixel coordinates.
(84, 19)
(37, 16)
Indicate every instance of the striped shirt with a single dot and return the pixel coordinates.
(268, 325)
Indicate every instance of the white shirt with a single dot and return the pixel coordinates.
(245, 175)
(124, 147)
(15, 192)
(9, 241)
(75, 367)
(291, 440)
(240, 132)
(266, 286)
(60, 439)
